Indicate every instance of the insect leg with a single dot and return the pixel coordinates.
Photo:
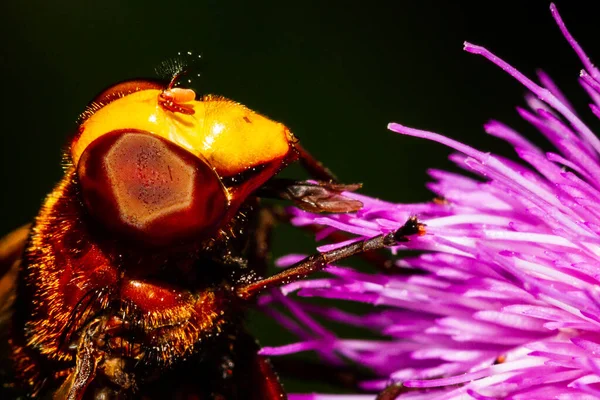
(262, 380)
(270, 387)
(313, 166)
(378, 259)
(12, 246)
(11, 249)
(274, 214)
(317, 262)
(314, 197)
(244, 374)
(391, 392)
(87, 360)
(260, 242)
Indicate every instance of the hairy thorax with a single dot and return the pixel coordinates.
(142, 307)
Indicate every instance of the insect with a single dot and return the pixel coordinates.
(134, 279)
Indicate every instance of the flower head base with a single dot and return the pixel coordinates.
(509, 304)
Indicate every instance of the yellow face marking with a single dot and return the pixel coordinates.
(231, 137)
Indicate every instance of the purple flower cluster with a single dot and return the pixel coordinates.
(509, 304)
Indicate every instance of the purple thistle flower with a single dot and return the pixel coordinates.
(509, 304)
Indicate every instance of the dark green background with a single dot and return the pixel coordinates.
(335, 72)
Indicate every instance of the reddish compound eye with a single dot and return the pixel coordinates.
(143, 186)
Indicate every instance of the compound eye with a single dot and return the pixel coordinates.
(142, 186)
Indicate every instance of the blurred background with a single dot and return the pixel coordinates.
(335, 72)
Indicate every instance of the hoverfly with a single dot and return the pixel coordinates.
(134, 279)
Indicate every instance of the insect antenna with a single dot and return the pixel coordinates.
(183, 65)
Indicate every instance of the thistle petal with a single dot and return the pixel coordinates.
(507, 304)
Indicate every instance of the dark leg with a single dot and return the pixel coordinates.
(12, 246)
(87, 360)
(391, 392)
(248, 376)
(268, 386)
(259, 248)
(313, 166)
(314, 197)
(317, 262)
(231, 370)
(255, 375)
(378, 259)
